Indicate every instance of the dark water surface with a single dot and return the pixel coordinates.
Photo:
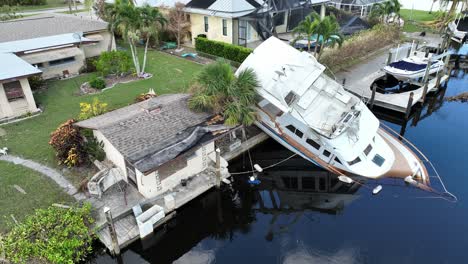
(301, 214)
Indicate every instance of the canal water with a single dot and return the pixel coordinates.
(301, 214)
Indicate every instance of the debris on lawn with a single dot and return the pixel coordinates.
(19, 189)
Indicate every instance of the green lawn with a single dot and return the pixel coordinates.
(41, 192)
(29, 138)
(414, 20)
(50, 4)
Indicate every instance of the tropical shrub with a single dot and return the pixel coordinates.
(218, 90)
(94, 148)
(22, 2)
(67, 142)
(97, 83)
(52, 235)
(8, 12)
(88, 110)
(114, 62)
(222, 49)
(36, 82)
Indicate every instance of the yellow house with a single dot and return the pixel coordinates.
(239, 21)
(16, 98)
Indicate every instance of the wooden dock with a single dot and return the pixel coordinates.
(121, 200)
(359, 79)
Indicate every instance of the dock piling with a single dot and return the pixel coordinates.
(374, 89)
(112, 232)
(389, 59)
(218, 168)
(409, 106)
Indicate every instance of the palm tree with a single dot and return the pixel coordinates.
(136, 23)
(329, 33)
(219, 90)
(151, 20)
(307, 29)
(383, 10)
(109, 13)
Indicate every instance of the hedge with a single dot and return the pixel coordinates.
(222, 49)
(22, 2)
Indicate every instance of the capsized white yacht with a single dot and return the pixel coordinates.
(312, 115)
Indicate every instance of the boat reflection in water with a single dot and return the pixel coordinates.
(296, 187)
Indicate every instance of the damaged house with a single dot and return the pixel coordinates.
(159, 142)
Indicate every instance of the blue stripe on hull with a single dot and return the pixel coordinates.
(285, 142)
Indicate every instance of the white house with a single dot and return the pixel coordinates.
(158, 142)
(56, 44)
(16, 98)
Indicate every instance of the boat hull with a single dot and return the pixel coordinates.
(406, 164)
(403, 75)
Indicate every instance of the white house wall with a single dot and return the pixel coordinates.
(151, 185)
(95, 49)
(17, 107)
(112, 153)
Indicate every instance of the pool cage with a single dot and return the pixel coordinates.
(276, 16)
(360, 8)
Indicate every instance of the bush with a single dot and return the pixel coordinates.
(91, 110)
(114, 62)
(95, 148)
(53, 235)
(22, 2)
(36, 82)
(360, 45)
(90, 65)
(68, 144)
(97, 83)
(221, 49)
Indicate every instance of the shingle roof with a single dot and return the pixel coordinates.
(142, 129)
(13, 67)
(47, 25)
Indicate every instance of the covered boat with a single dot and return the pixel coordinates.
(413, 67)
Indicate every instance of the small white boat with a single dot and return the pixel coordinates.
(413, 67)
(312, 115)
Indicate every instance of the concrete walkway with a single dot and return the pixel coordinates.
(49, 172)
(48, 10)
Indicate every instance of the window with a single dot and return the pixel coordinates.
(368, 149)
(289, 99)
(224, 27)
(295, 130)
(326, 153)
(338, 160)
(61, 61)
(206, 23)
(39, 65)
(308, 183)
(322, 184)
(291, 128)
(313, 143)
(13, 90)
(290, 182)
(378, 160)
(278, 18)
(356, 160)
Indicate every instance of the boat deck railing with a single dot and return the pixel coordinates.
(431, 170)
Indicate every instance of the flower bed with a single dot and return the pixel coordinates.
(111, 81)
